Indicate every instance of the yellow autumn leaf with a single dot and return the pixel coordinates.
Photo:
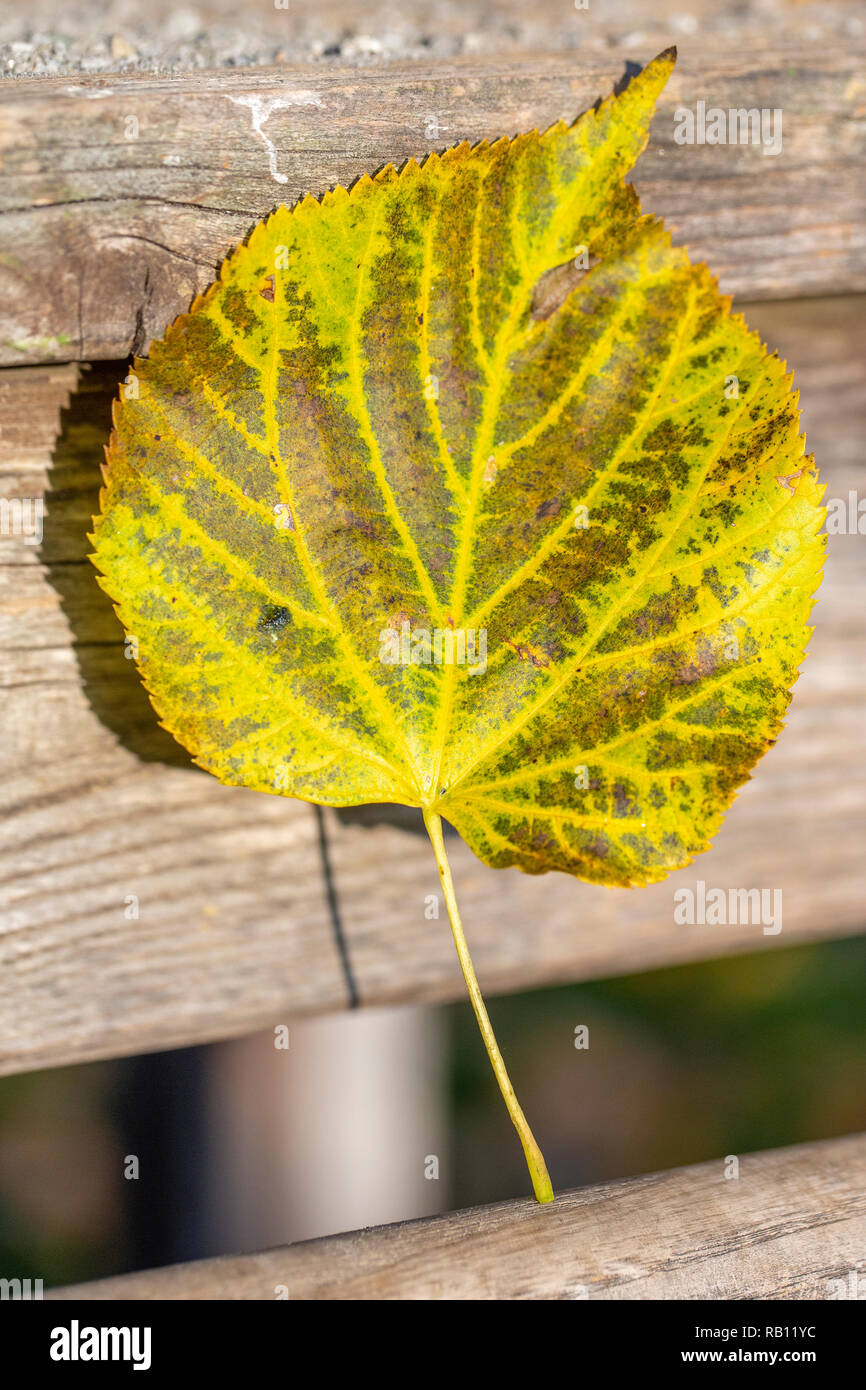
(465, 490)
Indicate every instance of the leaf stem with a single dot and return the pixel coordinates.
(534, 1159)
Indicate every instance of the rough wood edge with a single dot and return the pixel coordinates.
(791, 1226)
(119, 235)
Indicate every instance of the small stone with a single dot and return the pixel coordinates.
(119, 48)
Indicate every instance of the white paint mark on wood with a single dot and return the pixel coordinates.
(262, 108)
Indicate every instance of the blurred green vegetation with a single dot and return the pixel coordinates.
(683, 1064)
(61, 1204)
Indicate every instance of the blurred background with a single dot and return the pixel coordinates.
(45, 37)
(245, 1145)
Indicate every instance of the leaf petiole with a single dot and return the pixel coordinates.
(534, 1158)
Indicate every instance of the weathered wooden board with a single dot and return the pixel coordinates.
(119, 196)
(791, 1226)
(235, 927)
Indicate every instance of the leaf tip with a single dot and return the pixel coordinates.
(659, 69)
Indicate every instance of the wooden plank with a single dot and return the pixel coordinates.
(235, 930)
(119, 196)
(791, 1225)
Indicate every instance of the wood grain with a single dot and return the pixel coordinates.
(235, 928)
(104, 238)
(791, 1224)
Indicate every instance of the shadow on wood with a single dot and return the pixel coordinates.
(110, 681)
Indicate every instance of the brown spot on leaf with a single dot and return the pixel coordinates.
(268, 291)
(554, 287)
(788, 481)
(703, 664)
(622, 803)
(530, 654)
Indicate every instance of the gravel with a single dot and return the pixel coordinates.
(47, 38)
